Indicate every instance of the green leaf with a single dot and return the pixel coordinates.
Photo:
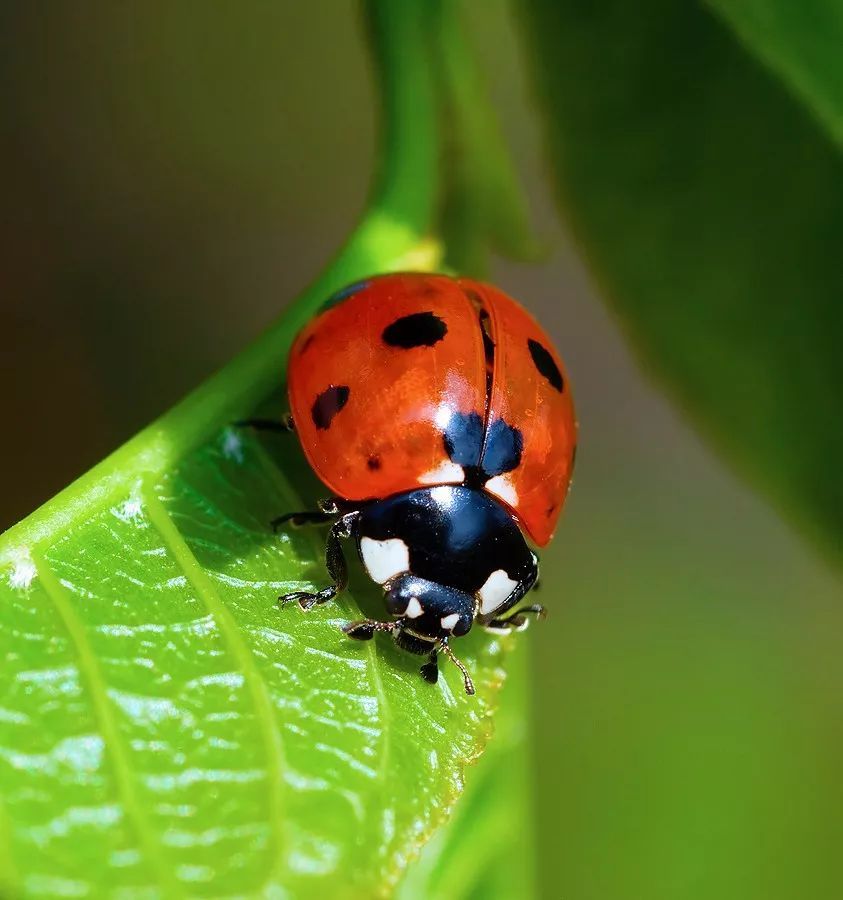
(801, 42)
(486, 850)
(165, 729)
(165, 725)
(709, 204)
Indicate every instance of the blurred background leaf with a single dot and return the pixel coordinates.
(484, 208)
(801, 43)
(709, 203)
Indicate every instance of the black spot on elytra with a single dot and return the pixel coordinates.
(423, 329)
(328, 404)
(502, 453)
(463, 438)
(545, 365)
(373, 463)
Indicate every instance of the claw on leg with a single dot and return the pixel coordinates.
(307, 599)
(335, 562)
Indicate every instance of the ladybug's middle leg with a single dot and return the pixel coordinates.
(517, 621)
(327, 512)
(307, 517)
(284, 425)
(335, 563)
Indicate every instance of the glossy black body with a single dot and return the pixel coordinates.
(457, 537)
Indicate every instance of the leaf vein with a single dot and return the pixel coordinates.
(282, 486)
(253, 678)
(103, 709)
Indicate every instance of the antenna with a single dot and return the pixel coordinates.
(469, 684)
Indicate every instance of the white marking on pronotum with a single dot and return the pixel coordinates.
(446, 472)
(448, 622)
(497, 588)
(502, 486)
(384, 559)
(414, 608)
(23, 571)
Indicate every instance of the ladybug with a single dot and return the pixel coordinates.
(439, 414)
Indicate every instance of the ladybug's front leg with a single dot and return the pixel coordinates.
(335, 563)
(430, 670)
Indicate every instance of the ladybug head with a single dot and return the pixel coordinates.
(429, 611)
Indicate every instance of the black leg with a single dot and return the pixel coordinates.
(517, 621)
(327, 512)
(297, 519)
(284, 425)
(335, 563)
(364, 629)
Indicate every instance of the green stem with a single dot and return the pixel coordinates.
(397, 222)
(484, 205)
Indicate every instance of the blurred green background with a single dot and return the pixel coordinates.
(174, 173)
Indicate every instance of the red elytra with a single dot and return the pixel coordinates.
(378, 379)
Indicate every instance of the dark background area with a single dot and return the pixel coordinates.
(172, 176)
